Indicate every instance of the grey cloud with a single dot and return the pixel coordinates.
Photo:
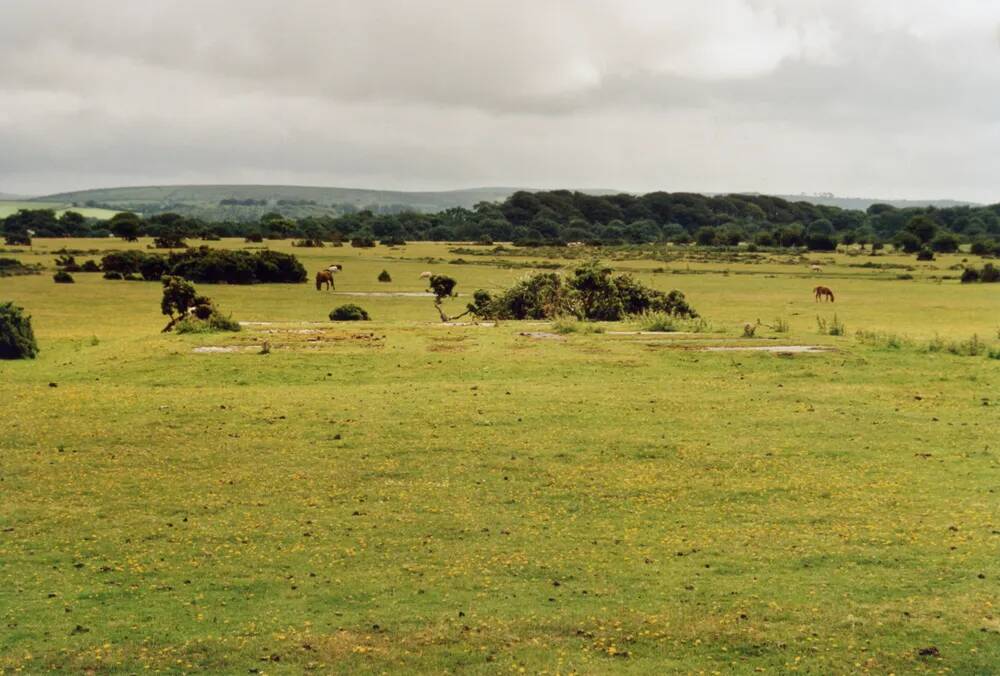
(894, 98)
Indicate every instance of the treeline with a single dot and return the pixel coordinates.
(561, 216)
(204, 264)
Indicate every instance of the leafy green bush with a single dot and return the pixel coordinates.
(63, 277)
(17, 339)
(90, 266)
(215, 322)
(349, 313)
(925, 254)
(591, 293)
(384, 276)
(124, 262)
(113, 274)
(990, 274)
(362, 242)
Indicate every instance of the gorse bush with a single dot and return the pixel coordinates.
(349, 313)
(590, 293)
(63, 277)
(384, 276)
(17, 339)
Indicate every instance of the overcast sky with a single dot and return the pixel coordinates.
(876, 98)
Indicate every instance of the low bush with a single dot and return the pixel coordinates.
(349, 313)
(113, 274)
(925, 254)
(384, 276)
(90, 266)
(990, 274)
(215, 322)
(17, 339)
(209, 266)
(362, 242)
(590, 293)
(17, 238)
(63, 277)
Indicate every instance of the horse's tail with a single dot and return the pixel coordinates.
(319, 283)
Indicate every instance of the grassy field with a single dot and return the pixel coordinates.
(8, 207)
(402, 495)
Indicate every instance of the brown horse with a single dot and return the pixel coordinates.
(324, 277)
(823, 292)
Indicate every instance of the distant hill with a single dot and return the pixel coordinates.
(245, 203)
(862, 203)
(224, 201)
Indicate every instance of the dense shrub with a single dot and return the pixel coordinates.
(384, 276)
(17, 238)
(925, 254)
(254, 237)
(63, 277)
(990, 274)
(207, 265)
(152, 267)
(17, 339)
(394, 240)
(90, 266)
(362, 242)
(113, 274)
(212, 323)
(349, 313)
(592, 292)
(124, 262)
(169, 241)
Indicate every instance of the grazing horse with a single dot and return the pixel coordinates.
(324, 277)
(822, 292)
(815, 268)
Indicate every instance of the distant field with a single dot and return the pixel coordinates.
(400, 495)
(8, 207)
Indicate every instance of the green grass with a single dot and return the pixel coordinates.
(399, 495)
(8, 207)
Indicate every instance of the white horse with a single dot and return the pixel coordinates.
(425, 275)
(815, 268)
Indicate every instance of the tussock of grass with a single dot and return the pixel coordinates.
(667, 323)
(571, 325)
